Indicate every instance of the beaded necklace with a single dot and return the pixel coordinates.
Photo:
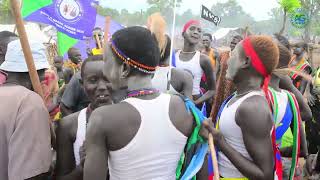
(141, 92)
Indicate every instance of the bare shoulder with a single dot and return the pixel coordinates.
(204, 58)
(180, 117)
(109, 118)
(181, 75)
(255, 112)
(69, 123)
(286, 82)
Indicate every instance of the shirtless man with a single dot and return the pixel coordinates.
(198, 64)
(122, 137)
(71, 129)
(243, 138)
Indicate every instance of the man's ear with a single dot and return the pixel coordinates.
(125, 70)
(247, 62)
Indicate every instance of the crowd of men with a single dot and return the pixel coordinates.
(124, 112)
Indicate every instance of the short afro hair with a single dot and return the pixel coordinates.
(138, 44)
(209, 35)
(283, 40)
(284, 56)
(71, 50)
(90, 59)
(267, 51)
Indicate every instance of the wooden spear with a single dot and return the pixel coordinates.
(15, 5)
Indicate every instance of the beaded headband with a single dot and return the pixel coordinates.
(131, 62)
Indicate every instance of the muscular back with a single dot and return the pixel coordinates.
(112, 128)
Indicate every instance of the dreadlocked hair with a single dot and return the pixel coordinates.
(157, 26)
(224, 87)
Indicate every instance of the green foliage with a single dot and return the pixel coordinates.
(289, 5)
(232, 14)
(5, 13)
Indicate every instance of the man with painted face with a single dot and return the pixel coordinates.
(143, 136)
(198, 64)
(300, 64)
(72, 129)
(73, 64)
(243, 139)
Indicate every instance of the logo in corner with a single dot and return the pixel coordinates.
(69, 10)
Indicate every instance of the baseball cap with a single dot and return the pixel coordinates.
(15, 61)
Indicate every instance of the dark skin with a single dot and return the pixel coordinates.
(191, 38)
(96, 86)
(299, 52)
(75, 57)
(286, 84)
(104, 136)
(287, 151)
(254, 118)
(206, 41)
(58, 64)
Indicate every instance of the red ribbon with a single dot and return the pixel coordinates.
(189, 23)
(257, 65)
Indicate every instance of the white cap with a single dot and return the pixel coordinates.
(15, 61)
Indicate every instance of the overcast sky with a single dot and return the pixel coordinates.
(257, 8)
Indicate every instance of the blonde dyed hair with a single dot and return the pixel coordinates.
(157, 25)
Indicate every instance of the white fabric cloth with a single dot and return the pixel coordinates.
(155, 150)
(15, 61)
(282, 99)
(81, 134)
(161, 82)
(233, 136)
(192, 66)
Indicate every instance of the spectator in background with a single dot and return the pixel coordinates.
(208, 50)
(72, 66)
(5, 38)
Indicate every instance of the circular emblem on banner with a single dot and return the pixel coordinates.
(69, 10)
(299, 18)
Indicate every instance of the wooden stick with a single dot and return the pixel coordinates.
(26, 47)
(98, 40)
(107, 29)
(214, 158)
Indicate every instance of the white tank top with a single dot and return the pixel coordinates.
(81, 134)
(155, 150)
(233, 136)
(160, 80)
(194, 67)
(282, 99)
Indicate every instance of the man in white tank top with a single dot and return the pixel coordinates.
(180, 80)
(143, 136)
(244, 140)
(198, 64)
(72, 129)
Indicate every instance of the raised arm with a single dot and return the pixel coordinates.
(286, 83)
(208, 71)
(254, 119)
